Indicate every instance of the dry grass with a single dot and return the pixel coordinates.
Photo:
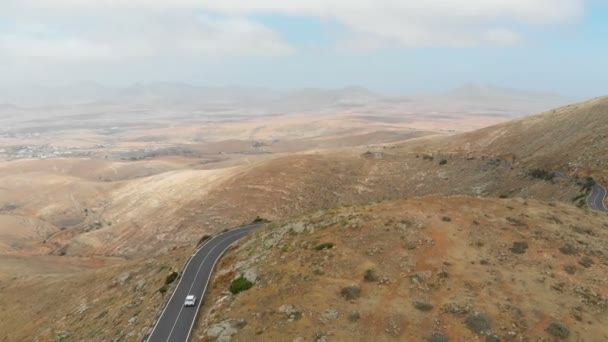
(458, 267)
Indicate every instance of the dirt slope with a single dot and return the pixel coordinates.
(457, 267)
(572, 138)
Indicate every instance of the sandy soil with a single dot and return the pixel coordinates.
(459, 267)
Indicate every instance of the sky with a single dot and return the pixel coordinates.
(390, 46)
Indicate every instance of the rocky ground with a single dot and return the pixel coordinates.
(434, 268)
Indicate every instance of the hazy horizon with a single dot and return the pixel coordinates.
(389, 47)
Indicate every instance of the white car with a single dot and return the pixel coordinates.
(190, 300)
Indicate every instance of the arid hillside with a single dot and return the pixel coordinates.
(428, 268)
(572, 139)
(86, 239)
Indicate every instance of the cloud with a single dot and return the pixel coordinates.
(119, 31)
(59, 32)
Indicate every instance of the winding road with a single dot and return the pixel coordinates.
(176, 321)
(596, 198)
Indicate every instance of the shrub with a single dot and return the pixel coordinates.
(478, 323)
(163, 289)
(586, 262)
(542, 174)
(568, 249)
(240, 284)
(327, 245)
(437, 337)
(570, 269)
(351, 292)
(423, 306)
(578, 197)
(370, 275)
(259, 220)
(446, 219)
(516, 222)
(558, 330)
(443, 162)
(519, 247)
(203, 239)
(171, 278)
(588, 183)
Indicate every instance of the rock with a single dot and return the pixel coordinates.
(122, 279)
(296, 227)
(133, 320)
(251, 275)
(82, 308)
(321, 337)
(140, 285)
(457, 308)
(392, 328)
(331, 314)
(290, 311)
(224, 330)
(63, 336)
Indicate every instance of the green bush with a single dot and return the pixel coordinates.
(370, 275)
(240, 284)
(541, 174)
(327, 245)
(588, 183)
(443, 162)
(203, 239)
(171, 278)
(259, 220)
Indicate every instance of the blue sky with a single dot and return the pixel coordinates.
(389, 46)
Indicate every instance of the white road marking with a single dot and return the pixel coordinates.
(194, 281)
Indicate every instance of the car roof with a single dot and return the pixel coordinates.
(190, 297)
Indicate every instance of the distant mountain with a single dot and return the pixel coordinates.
(148, 93)
(469, 99)
(316, 99)
(476, 98)
(472, 91)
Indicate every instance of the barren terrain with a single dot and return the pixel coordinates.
(454, 267)
(96, 213)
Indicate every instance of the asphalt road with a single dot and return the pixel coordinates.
(176, 321)
(596, 198)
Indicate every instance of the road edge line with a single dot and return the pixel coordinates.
(206, 284)
(179, 282)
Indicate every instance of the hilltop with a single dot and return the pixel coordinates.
(571, 139)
